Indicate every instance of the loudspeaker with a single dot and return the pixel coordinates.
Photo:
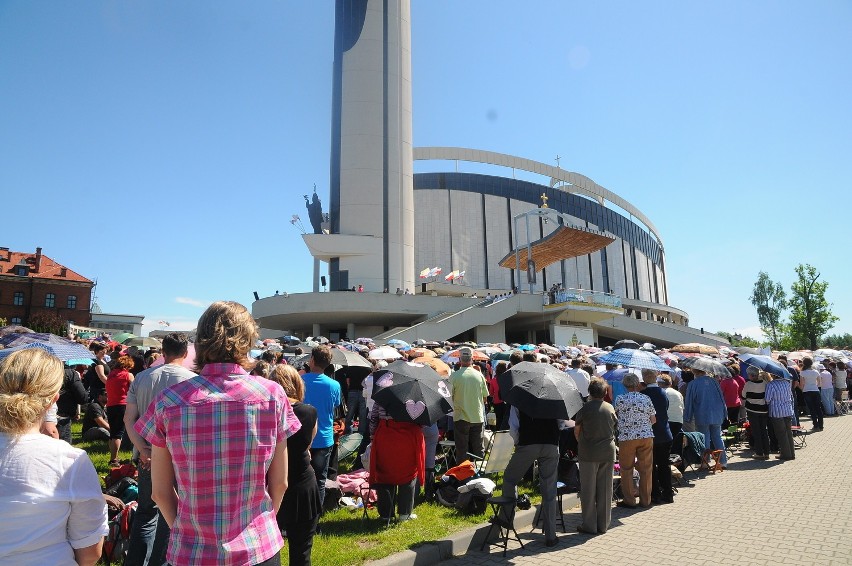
(322, 280)
(256, 298)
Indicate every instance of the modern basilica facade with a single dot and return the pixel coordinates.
(567, 260)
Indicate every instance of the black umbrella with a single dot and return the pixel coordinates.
(412, 392)
(540, 390)
(632, 344)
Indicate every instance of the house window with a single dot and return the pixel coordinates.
(72, 301)
(18, 299)
(16, 320)
(50, 300)
(21, 270)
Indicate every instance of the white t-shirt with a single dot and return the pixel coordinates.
(826, 379)
(809, 380)
(675, 412)
(50, 501)
(581, 378)
(840, 379)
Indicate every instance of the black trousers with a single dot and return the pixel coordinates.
(300, 541)
(661, 476)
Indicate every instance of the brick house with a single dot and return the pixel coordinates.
(32, 283)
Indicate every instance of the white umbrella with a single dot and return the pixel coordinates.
(384, 353)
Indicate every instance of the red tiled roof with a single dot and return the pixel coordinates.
(47, 268)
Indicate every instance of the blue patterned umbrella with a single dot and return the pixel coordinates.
(64, 352)
(631, 358)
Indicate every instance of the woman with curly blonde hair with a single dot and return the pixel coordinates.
(220, 438)
(50, 493)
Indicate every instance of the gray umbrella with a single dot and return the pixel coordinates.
(707, 365)
(632, 344)
(347, 358)
(540, 390)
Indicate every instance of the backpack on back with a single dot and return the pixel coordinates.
(118, 536)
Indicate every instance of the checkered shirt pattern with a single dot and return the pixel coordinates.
(221, 428)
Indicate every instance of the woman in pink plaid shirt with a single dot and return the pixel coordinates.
(221, 439)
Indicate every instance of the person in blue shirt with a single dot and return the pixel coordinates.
(704, 403)
(323, 393)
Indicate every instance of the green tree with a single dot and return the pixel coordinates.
(810, 312)
(770, 300)
(737, 340)
(837, 341)
(48, 321)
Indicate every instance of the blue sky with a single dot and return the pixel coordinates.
(161, 148)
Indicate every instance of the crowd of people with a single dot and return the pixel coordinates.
(233, 453)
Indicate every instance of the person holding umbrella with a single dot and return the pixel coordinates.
(406, 397)
(754, 393)
(540, 396)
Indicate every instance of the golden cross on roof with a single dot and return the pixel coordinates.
(543, 200)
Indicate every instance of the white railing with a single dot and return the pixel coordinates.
(582, 296)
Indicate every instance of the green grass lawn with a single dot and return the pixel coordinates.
(346, 537)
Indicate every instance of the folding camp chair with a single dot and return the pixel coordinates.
(800, 437)
(841, 406)
(497, 454)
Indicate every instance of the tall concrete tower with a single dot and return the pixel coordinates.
(371, 240)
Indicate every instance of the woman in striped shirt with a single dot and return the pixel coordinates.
(754, 393)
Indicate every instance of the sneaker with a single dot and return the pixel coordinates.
(404, 518)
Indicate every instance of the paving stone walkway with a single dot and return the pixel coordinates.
(755, 513)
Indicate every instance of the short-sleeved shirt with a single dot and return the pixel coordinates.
(153, 381)
(634, 412)
(468, 390)
(779, 398)
(322, 393)
(94, 410)
(581, 379)
(597, 422)
(221, 428)
(51, 501)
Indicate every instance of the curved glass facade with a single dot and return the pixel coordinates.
(485, 205)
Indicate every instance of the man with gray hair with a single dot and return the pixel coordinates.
(470, 394)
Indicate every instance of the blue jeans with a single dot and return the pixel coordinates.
(149, 533)
(713, 434)
(319, 462)
(357, 406)
(827, 394)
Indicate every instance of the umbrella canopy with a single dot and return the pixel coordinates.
(489, 350)
(23, 338)
(422, 353)
(290, 339)
(399, 344)
(668, 356)
(746, 350)
(502, 356)
(540, 390)
(626, 344)
(766, 363)
(188, 362)
(364, 340)
(442, 368)
(15, 329)
(454, 355)
(631, 358)
(412, 392)
(64, 352)
(707, 365)
(549, 350)
(353, 347)
(347, 358)
(695, 348)
(615, 374)
(648, 347)
(526, 347)
(122, 336)
(144, 341)
(385, 353)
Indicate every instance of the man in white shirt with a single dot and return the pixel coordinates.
(581, 377)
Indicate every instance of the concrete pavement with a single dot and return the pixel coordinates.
(755, 513)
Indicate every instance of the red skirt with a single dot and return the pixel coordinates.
(398, 454)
